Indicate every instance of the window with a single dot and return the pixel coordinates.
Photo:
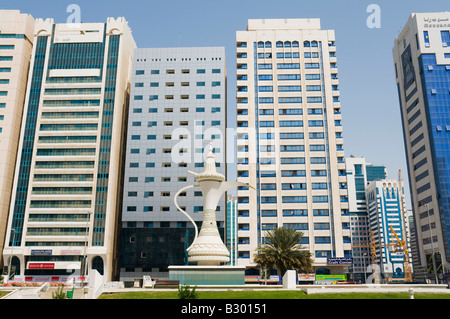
(140, 72)
(426, 38)
(154, 71)
(288, 65)
(320, 199)
(311, 65)
(313, 88)
(290, 111)
(291, 136)
(292, 148)
(265, 88)
(266, 100)
(215, 70)
(290, 88)
(318, 160)
(314, 99)
(291, 123)
(445, 36)
(201, 71)
(289, 100)
(294, 199)
(315, 123)
(265, 66)
(287, 77)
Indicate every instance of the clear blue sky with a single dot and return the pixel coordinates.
(370, 109)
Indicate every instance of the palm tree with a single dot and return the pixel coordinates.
(283, 252)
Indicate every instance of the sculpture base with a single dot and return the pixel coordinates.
(208, 275)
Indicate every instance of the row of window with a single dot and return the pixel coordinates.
(296, 226)
(182, 97)
(284, 66)
(311, 111)
(286, 55)
(286, 77)
(284, 44)
(183, 71)
(270, 100)
(305, 240)
(196, 209)
(172, 84)
(445, 38)
(175, 59)
(291, 173)
(311, 123)
(170, 109)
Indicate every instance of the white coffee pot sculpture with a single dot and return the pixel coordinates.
(208, 248)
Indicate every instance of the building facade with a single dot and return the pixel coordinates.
(359, 174)
(67, 181)
(290, 139)
(177, 106)
(386, 212)
(16, 43)
(422, 68)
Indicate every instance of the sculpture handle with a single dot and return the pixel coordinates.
(186, 214)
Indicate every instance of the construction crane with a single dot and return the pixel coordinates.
(398, 244)
(373, 252)
(402, 244)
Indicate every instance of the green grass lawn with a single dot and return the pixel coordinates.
(269, 295)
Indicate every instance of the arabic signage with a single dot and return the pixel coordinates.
(340, 261)
(436, 23)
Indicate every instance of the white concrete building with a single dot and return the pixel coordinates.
(290, 139)
(422, 69)
(16, 43)
(386, 209)
(67, 181)
(177, 106)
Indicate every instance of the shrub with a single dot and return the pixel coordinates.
(59, 293)
(185, 292)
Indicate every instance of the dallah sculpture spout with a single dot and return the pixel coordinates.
(208, 247)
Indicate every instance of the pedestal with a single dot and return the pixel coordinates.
(208, 275)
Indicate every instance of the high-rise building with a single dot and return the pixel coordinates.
(359, 174)
(67, 181)
(290, 139)
(177, 107)
(16, 43)
(386, 212)
(422, 69)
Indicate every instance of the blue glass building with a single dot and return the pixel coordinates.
(422, 69)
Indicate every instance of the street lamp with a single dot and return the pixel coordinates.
(83, 264)
(12, 254)
(432, 245)
(365, 269)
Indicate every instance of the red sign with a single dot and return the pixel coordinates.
(41, 266)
